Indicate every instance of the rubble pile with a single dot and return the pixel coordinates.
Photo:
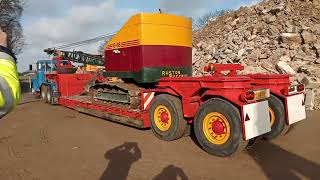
(274, 36)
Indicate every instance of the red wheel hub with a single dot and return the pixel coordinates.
(164, 117)
(217, 127)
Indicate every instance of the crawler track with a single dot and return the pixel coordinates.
(116, 94)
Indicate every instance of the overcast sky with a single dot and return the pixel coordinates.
(51, 23)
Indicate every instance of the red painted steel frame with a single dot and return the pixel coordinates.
(275, 82)
(193, 91)
(71, 103)
(70, 84)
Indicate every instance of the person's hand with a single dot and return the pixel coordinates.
(3, 39)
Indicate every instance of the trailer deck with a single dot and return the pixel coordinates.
(106, 111)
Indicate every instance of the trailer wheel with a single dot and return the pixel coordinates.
(277, 118)
(218, 129)
(166, 117)
(43, 93)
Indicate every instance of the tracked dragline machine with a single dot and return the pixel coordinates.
(151, 56)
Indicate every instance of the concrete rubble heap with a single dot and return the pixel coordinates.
(275, 36)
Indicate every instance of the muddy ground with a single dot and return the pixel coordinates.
(39, 141)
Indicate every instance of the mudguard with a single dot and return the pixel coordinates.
(255, 119)
(295, 107)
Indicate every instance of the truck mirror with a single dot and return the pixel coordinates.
(30, 67)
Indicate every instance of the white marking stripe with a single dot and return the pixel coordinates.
(148, 100)
(7, 96)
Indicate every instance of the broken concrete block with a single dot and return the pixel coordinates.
(309, 58)
(284, 68)
(228, 51)
(233, 23)
(202, 44)
(317, 46)
(241, 52)
(304, 70)
(252, 37)
(272, 19)
(285, 58)
(308, 37)
(299, 77)
(291, 38)
(310, 97)
(208, 57)
(311, 82)
(277, 9)
(253, 70)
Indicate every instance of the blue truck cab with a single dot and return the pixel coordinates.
(42, 67)
(46, 88)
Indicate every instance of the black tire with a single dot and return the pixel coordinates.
(279, 127)
(235, 142)
(178, 123)
(49, 95)
(188, 130)
(43, 93)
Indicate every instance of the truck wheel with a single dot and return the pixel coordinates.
(49, 95)
(35, 93)
(43, 93)
(277, 118)
(218, 128)
(166, 117)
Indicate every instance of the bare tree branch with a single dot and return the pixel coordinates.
(203, 20)
(10, 15)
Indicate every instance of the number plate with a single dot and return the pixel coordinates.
(261, 94)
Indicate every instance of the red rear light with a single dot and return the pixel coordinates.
(293, 89)
(206, 69)
(250, 95)
(256, 95)
(209, 67)
(300, 87)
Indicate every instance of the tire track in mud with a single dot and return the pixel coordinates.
(13, 172)
(44, 137)
(26, 174)
(12, 153)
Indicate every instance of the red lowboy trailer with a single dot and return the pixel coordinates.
(229, 108)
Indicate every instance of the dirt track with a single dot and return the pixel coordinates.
(38, 141)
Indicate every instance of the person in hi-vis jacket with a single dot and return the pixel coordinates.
(9, 79)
